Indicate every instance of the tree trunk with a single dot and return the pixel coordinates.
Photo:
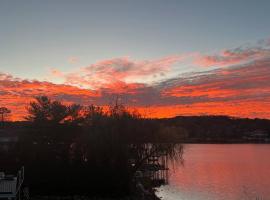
(2, 119)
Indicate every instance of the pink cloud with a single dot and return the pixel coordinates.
(122, 88)
(56, 73)
(232, 57)
(73, 60)
(120, 70)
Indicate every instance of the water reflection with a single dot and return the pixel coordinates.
(220, 172)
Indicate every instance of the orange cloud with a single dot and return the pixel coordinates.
(121, 87)
(120, 70)
(239, 87)
(16, 94)
(243, 82)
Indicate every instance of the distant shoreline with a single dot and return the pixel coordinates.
(223, 142)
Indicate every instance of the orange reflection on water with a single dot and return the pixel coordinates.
(221, 172)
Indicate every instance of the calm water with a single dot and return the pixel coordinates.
(220, 172)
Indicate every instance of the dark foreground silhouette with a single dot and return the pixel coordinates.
(111, 152)
(76, 150)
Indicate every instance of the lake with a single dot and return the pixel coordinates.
(220, 172)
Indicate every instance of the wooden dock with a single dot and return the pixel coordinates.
(154, 166)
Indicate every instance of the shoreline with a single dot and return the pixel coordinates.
(82, 197)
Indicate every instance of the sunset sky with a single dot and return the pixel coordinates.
(165, 58)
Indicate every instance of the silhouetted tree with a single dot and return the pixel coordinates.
(44, 110)
(39, 110)
(77, 141)
(4, 112)
(58, 112)
(75, 113)
(93, 115)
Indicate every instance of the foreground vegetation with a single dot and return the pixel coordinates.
(89, 151)
(71, 149)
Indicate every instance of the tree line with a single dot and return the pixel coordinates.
(84, 149)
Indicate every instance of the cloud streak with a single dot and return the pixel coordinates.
(232, 57)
